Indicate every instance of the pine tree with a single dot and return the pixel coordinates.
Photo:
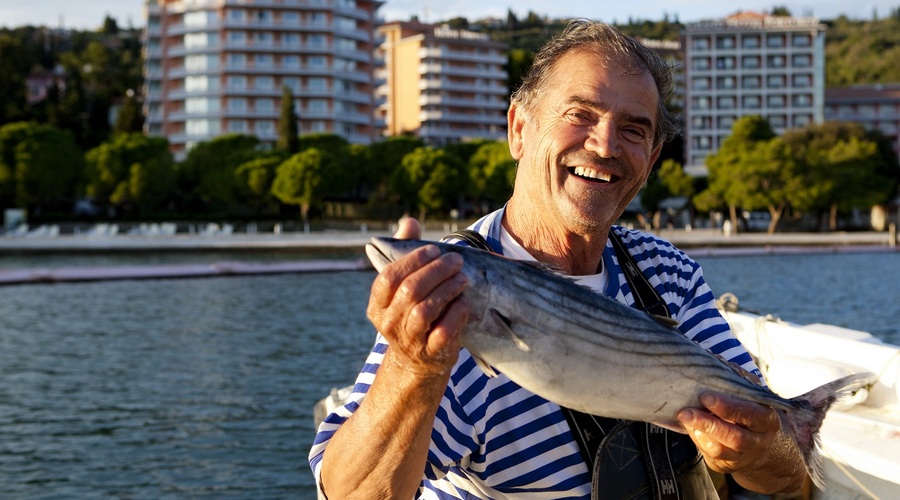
(288, 133)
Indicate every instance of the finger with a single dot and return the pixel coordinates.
(752, 416)
(408, 229)
(444, 336)
(385, 285)
(431, 304)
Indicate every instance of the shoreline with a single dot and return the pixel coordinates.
(695, 242)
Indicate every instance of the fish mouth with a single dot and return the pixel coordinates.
(376, 253)
(592, 175)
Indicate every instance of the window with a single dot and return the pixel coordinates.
(317, 61)
(237, 82)
(201, 105)
(802, 61)
(751, 82)
(775, 81)
(702, 63)
(775, 41)
(750, 42)
(701, 44)
(264, 83)
(750, 62)
(196, 40)
(317, 105)
(802, 100)
(292, 83)
(200, 62)
(778, 121)
(262, 60)
(751, 102)
(802, 81)
(317, 41)
(237, 37)
(262, 38)
(725, 42)
(775, 61)
(317, 84)
(201, 127)
(802, 120)
(801, 40)
(237, 126)
(236, 15)
(196, 83)
(237, 60)
(702, 142)
(700, 83)
(725, 63)
(290, 40)
(290, 61)
(726, 102)
(290, 17)
(776, 101)
(700, 103)
(264, 106)
(265, 127)
(726, 122)
(237, 104)
(726, 82)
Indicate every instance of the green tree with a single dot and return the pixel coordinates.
(430, 179)
(298, 180)
(492, 173)
(131, 171)
(842, 166)
(206, 178)
(288, 133)
(13, 68)
(130, 117)
(727, 187)
(45, 163)
(255, 178)
(385, 158)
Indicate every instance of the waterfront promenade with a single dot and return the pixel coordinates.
(700, 240)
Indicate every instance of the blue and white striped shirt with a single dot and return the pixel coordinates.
(492, 438)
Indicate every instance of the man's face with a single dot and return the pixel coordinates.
(585, 145)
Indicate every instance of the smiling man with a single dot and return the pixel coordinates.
(424, 421)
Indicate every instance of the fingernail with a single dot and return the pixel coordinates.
(685, 416)
(708, 400)
(432, 251)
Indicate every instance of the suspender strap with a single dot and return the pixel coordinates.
(645, 297)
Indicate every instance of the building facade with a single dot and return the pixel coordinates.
(750, 64)
(214, 67)
(440, 84)
(875, 106)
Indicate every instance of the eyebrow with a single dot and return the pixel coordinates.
(595, 105)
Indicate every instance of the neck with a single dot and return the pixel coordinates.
(577, 252)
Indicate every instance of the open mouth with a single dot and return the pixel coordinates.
(591, 175)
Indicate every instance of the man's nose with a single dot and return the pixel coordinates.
(602, 140)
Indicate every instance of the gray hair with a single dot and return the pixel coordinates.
(614, 46)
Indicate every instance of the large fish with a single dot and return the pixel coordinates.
(590, 353)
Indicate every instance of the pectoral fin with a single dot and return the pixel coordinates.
(506, 326)
(485, 367)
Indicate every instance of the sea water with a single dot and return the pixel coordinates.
(204, 388)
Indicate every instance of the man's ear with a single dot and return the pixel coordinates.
(515, 122)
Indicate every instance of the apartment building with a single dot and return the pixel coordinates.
(214, 67)
(441, 84)
(750, 64)
(875, 106)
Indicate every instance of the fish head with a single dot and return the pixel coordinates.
(477, 265)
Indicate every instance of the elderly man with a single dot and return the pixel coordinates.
(586, 127)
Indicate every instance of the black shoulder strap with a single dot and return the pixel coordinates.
(645, 297)
(473, 238)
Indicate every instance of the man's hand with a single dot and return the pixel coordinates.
(745, 439)
(415, 304)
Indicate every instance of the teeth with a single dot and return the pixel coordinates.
(592, 174)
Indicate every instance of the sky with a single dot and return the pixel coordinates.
(89, 14)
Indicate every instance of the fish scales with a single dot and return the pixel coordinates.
(585, 351)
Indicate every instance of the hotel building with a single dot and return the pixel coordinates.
(875, 106)
(214, 67)
(750, 64)
(440, 84)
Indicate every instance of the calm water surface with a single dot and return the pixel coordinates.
(203, 388)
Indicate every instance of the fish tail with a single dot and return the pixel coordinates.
(805, 424)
